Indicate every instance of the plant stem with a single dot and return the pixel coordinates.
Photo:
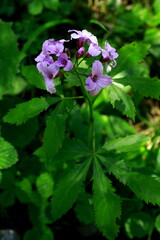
(91, 127)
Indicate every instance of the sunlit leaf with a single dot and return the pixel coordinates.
(8, 154)
(130, 55)
(148, 87)
(24, 111)
(121, 101)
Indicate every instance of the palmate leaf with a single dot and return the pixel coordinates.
(106, 203)
(24, 111)
(129, 56)
(8, 154)
(126, 144)
(68, 189)
(121, 101)
(148, 87)
(145, 186)
(72, 149)
(54, 132)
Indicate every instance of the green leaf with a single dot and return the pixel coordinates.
(148, 87)
(72, 79)
(68, 189)
(0, 177)
(139, 225)
(24, 111)
(33, 76)
(45, 184)
(98, 24)
(9, 56)
(126, 144)
(84, 208)
(39, 233)
(54, 132)
(121, 101)
(157, 223)
(8, 154)
(146, 187)
(35, 7)
(129, 56)
(51, 4)
(106, 203)
(72, 149)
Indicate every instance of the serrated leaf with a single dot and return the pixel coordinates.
(54, 132)
(72, 149)
(33, 76)
(9, 56)
(24, 111)
(68, 189)
(106, 204)
(44, 185)
(8, 154)
(129, 56)
(145, 187)
(126, 144)
(121, 101)
(148, 87)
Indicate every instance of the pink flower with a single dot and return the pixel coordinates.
(97, 80)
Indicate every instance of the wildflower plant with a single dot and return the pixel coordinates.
(80, 164)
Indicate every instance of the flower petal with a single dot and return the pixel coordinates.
(69, 66)
(90, 85)
(50, 85)
(96, 90)
(97, 68)
(104, 81)
(94, 50)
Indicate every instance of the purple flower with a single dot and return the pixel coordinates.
(80, 52)
(97, 80)
(53, 47)
(63, 61)
(49, 72)
(94, 50)
(41, 58)
(109, 54)
(83, 36)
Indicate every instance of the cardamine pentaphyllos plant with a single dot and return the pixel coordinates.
(74, 153)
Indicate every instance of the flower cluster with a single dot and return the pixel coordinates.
(54, 56)
(50, 60)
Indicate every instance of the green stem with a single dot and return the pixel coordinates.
(78, 97)
(91, 127)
